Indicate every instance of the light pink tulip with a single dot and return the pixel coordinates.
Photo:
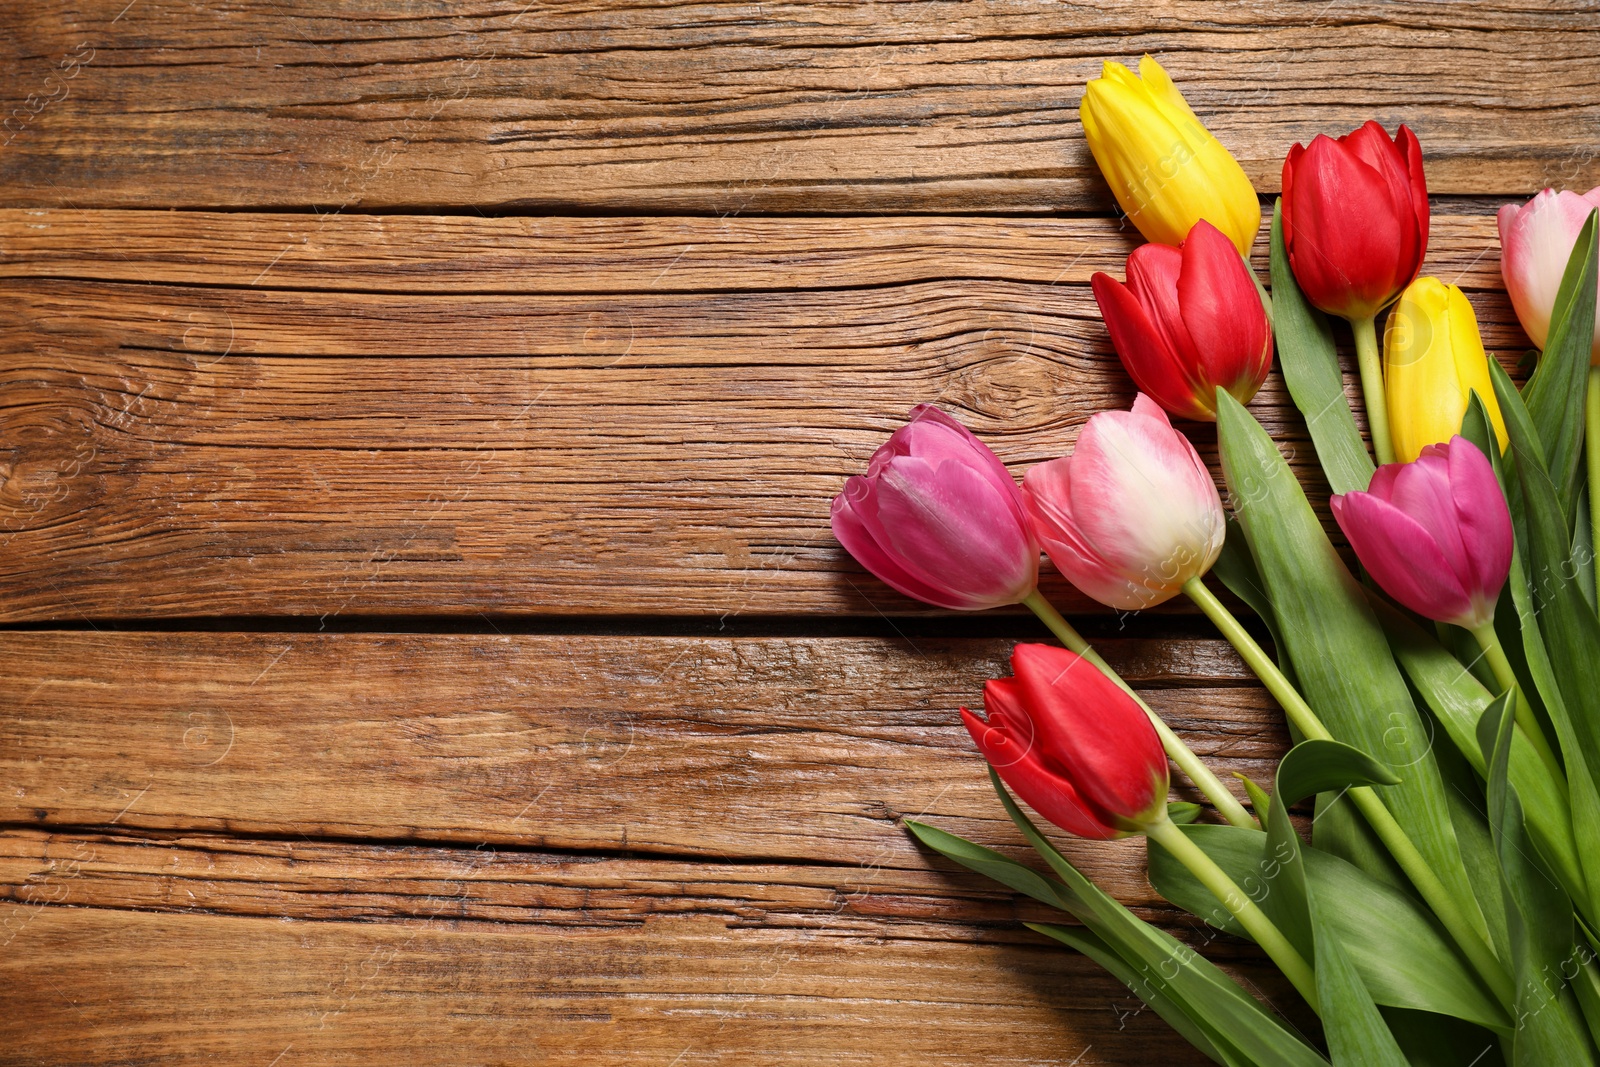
(1132, 514)
(939, 517)
(1536, 239)
(1435, 533)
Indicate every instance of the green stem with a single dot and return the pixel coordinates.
(1371, 364)
(1207, 782)
(1266, 933)
(1294, 705)
(1470, 935)
(1489, 641)
(1592, 446)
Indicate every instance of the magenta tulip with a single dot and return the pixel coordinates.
(1435, 533)
(1188, 320)
(1536, 240)
(1132, 514)
(1074, 745)
(940, 518)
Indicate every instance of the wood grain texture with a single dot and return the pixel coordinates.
(793, 749)
(536, 423)
(732, 107)
(639, 848)
(101, 986)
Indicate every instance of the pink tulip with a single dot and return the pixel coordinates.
(1132, 514)
(1074, 745)
(1536, 240)
(939, 517)
(1435, 533)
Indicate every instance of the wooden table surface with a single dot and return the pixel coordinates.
(424, 639)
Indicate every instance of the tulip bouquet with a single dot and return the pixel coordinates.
(1441, 680)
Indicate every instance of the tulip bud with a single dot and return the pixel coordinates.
(1355, 218)
(1188, 320)
(1435, 533)
(1433, 359)
(1072, 744)
(1163, 166)
(1536, 240)
(1132, 514)
(939, 517)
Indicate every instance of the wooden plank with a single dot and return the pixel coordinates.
(424, 439)
(106, 987)
(300, 878)
(721, 107)
(787, 749)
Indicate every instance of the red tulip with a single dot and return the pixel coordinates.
(1355, 218)
(1074, 745)
(940, 518)
(1188, 320)
(1435, 533)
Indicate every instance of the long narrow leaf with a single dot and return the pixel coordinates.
(1397, 948)
(1555, 394)
(1310, 367)
(1168, 1007)
(1341, 657)
(1232, 1017)
(1549, 1023)
(1458, 700)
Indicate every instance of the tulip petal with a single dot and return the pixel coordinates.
(1374, 148)
(1088, 726)
(1536, 240)
(1146, 350)
(1143, 499)
(1353, 237)
(1046, 493)
(1422, 490)
(1411, 151)
(858, 540)
(1400, 556)
(1484, 516)
(940, 522)
(1049, 794)
(1222, 314)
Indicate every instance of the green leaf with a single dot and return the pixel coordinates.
(1258, 798)
(1183, 812)
(1549, 1023)
(1430, 1040)
(1313, 767)
(1583, 548)
(1232, 1018)
(1534, 664)
(1310, 366)
(1237, 571)
(1357, 1034)
(1340, 655)
(1402, 954)
(1008, 872)
(1586, 985)
(1169, 1008)
(1457, 700)
(1555, 394)
(1570, 631)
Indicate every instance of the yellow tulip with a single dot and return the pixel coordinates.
(1433, 359)
(1163, 165)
